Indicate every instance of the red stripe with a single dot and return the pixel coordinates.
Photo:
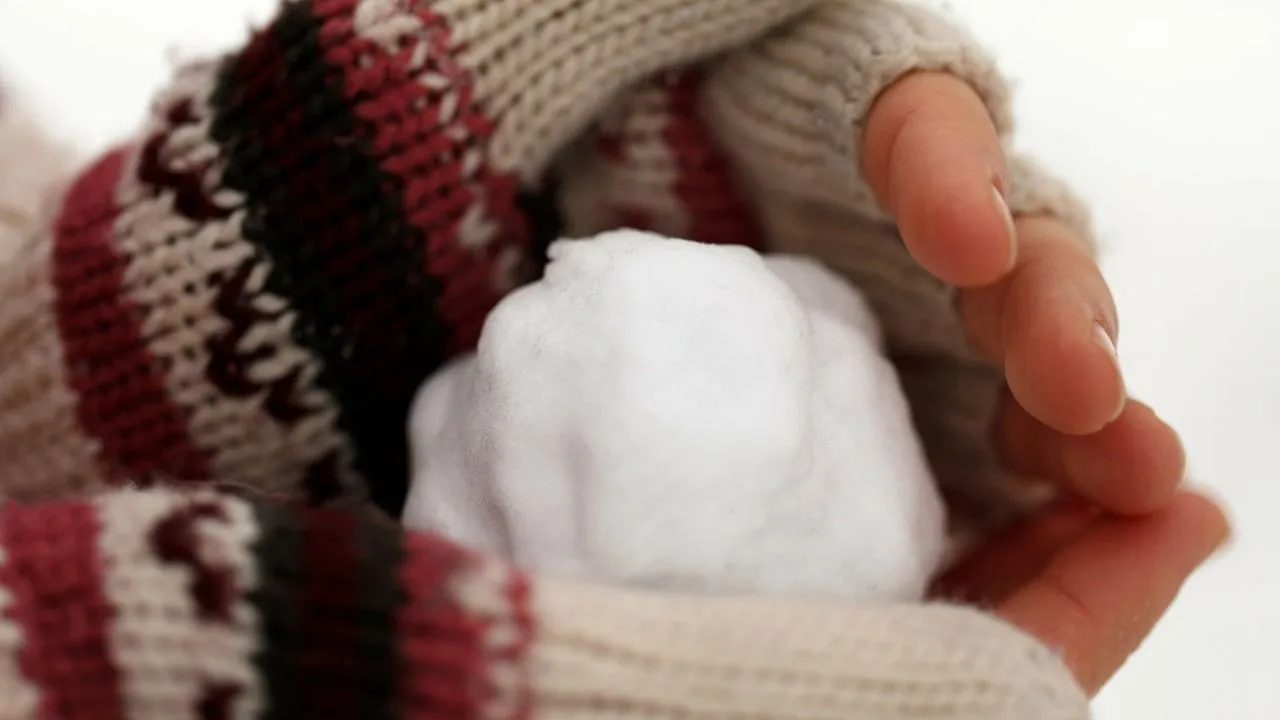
(520, 594)
(633, 213)
(443, 665)
(411, 144)
(634, 218)
(54, 571)
(122, 397)
(705, 183)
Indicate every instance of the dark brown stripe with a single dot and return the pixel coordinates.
(346, 603)
(381, 553)
(342, 250)
(545, 223)
(332, 614)
(278, 554)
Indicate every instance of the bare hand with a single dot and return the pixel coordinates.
(1092, 575)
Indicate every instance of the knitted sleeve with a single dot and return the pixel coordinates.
(253, 287)
(170, 605)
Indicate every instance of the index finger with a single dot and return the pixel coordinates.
(1101, 596)
(933, 157)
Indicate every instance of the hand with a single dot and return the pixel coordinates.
(1088, 584)
(1093, 574)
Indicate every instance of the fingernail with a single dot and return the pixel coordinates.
(1104, 340)
(1011, 231)
(1103, 337)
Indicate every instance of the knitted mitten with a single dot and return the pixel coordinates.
(158, 605)
(253, 288)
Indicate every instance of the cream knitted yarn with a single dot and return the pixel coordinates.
(31, 166)
(707, 119)
(622, 655)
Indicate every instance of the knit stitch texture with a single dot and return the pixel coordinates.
(252, 289)
(162, 604)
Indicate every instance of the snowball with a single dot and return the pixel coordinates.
(663, 414)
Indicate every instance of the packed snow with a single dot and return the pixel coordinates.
(662, 414)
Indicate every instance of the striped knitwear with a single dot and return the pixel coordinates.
(166, 604)
(250, 291)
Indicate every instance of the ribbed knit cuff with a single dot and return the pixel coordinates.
(791, 107)
(635, 655)
(891, 38)
(1033, 190)
(799, 97)
(895, 38)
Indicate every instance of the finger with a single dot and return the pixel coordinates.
(932, 156)
(1099, 598)
(1010, 558)
(1052, 323)
(1131, 467)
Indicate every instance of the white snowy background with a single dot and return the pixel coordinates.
(1164, 113)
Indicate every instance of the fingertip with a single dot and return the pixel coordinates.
(955, 222)
(1057, 368)
(1208, 510)
(1103, 594)
(932, 155)
(1191, 529)
(1133, 466)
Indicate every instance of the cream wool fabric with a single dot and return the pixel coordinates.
(618, 654)
(786, 85)
(31, 166)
